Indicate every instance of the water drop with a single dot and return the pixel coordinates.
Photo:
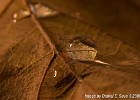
(40, 10)
(20, 14)
(82, 48)
(19, 67)
(55, 73)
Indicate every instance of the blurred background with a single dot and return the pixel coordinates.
(120, 18)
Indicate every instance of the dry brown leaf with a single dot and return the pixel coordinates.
(26, 56)
(29, 69)
(121, 77)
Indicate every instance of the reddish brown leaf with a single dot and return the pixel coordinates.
(32, 66)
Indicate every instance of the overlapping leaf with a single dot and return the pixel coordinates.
(30, 70)
(25, 57)
(94, 77)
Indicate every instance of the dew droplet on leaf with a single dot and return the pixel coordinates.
(20, 14)
(82, 48)
(55, 72)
